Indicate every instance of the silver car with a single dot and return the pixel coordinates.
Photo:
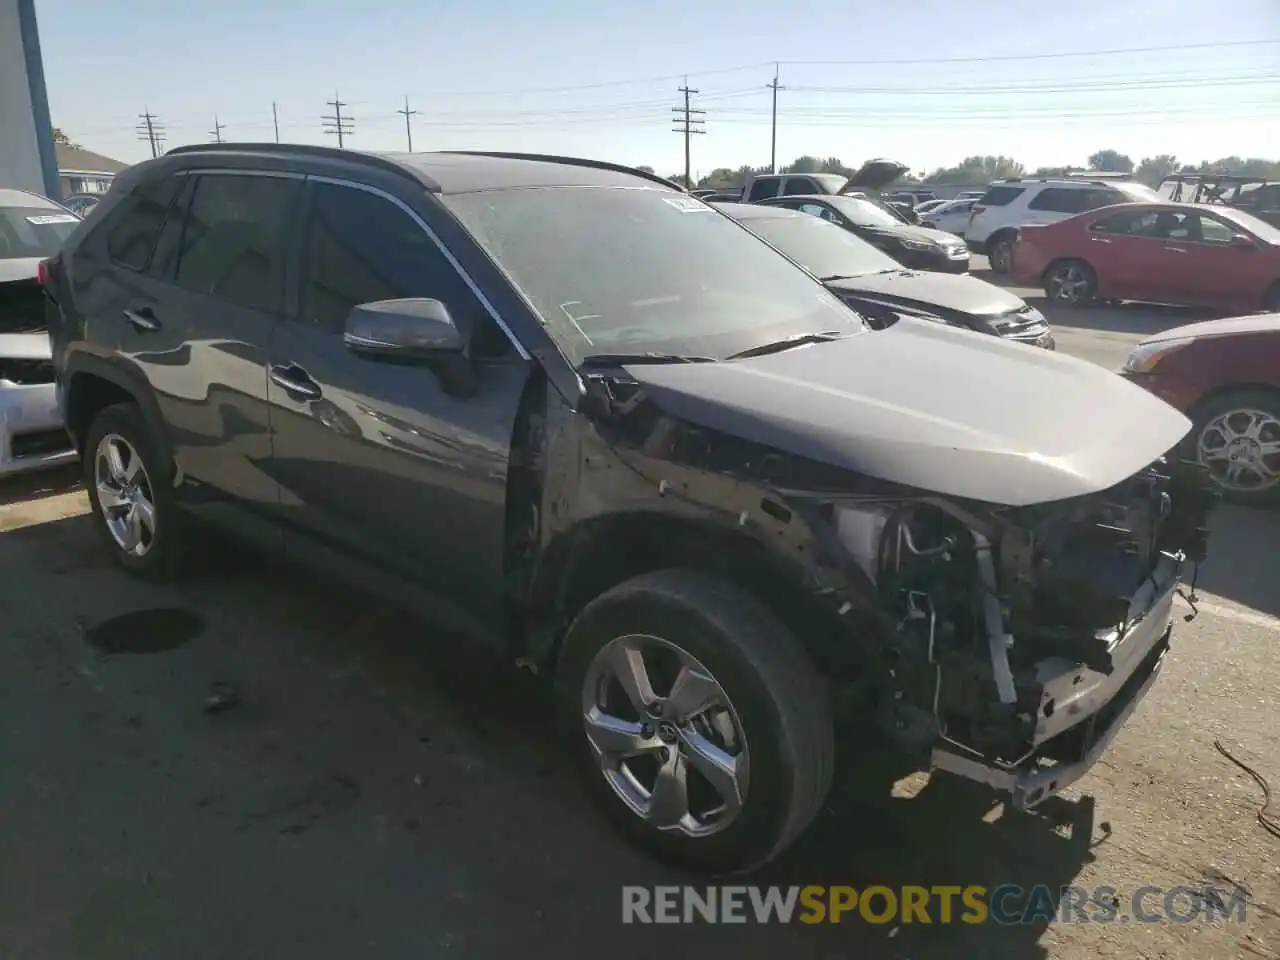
(31, 432)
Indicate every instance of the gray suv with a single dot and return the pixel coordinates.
(601, 423)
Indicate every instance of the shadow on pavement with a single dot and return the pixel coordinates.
(1241, 566)
(44, 483)
(367, 787)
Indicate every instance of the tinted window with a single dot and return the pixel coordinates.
(1058, 200)
(999, 196)
(797, 186)
(233, 239)
(1128, 224)
(824, 250)
(33, 231)
(360, 248)
(137, 221)
(630, 271)
(763, 187)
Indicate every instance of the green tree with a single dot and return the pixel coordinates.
(977, 171)
(62, 138)
(645, 169)
(720, 177)
(1110, 161)
(1154, 169)
(805, 164)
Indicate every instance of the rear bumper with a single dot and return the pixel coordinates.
(32, 436)
(1082, 710)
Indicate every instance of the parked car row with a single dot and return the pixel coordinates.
(648, 448)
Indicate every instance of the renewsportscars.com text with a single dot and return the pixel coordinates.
(1006, 904)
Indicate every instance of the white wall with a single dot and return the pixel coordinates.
(20, 159)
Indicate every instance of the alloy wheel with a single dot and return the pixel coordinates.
(1241, 449)
(678, 759)
(125, 495)
(1069, 283)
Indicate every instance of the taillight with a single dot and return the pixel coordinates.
(42, 275)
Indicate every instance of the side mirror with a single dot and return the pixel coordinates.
(419, 329)
(1242, 242)
(413, 331)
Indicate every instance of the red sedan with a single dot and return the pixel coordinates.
(1178, 253)
(1225, 376)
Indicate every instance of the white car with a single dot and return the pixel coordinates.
(1009, 204)
(951, 215)
(32, 228)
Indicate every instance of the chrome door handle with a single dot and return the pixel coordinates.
(1099, 240)
(143, 319)
(1174, 250)
(295, 380)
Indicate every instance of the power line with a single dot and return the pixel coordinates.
(688, 124)
(773, 125)
(151, 130)
(216, 132)
(336, 123)
(408, 129)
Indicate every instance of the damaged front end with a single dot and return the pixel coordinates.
(1024, 637)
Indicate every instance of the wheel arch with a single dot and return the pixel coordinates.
(1226, 389)
(94, 383)
(602, 552)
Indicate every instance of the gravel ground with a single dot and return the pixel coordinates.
(258, 767)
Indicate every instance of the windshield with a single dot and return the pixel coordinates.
(822, 248)
(864, 213)
(1259, 228)
(833, 182)
(33, 231)
(643, 270)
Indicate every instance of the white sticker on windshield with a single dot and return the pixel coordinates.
(53, 218)
(688, 204)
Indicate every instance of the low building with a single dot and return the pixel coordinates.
(83, 171)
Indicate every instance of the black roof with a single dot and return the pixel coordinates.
(757, 211)
(458, 171)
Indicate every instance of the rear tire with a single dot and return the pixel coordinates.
(130, 491)
(1000, 252)
(769, 721)
(1271, 299)
(1072, 283)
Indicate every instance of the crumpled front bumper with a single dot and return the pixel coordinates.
(32, 436)
(1082, 710)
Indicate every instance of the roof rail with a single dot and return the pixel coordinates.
(575, 161)
(293, 149)
(1096, 175)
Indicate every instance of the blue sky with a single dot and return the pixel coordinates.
(599, 78)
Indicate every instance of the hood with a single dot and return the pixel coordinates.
(940, 237)
(19, 268)
(932, 407)
(25, 346)
(1227, 326)
(875, 175)
(961, 293)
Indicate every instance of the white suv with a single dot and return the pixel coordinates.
(1009, 204)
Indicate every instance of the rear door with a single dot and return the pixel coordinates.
(381, 469)
(202, 339)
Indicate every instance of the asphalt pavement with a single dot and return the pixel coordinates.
(246, 765)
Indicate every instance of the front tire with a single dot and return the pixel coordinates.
(1237, 437)
(701, 727)
(130, 491)
(1072, 283)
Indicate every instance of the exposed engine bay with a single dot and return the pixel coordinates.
(1016, 626)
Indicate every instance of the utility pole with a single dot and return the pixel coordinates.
(151, 130)
(407, 113)
(688, 123)
(216, 132)
(336, 123)
(275, 120)
(773, 138)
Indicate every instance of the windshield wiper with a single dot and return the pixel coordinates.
(624, 359)
(777, 346)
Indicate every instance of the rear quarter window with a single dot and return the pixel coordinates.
(762, 188)
(135, 223)
(1001, 196)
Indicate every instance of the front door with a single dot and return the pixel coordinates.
(378, 462)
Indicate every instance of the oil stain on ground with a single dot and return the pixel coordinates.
(146, 631)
